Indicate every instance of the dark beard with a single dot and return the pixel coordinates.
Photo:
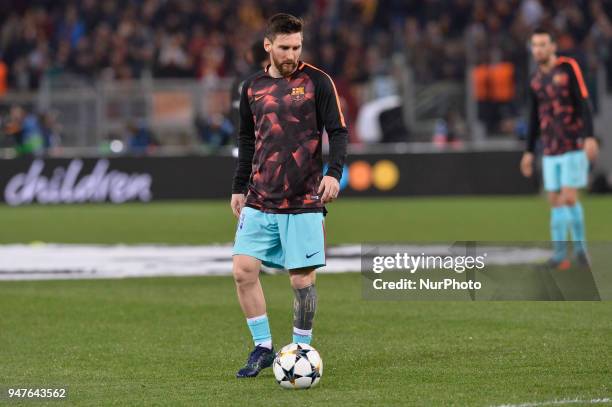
(284, 69)
(544, 62)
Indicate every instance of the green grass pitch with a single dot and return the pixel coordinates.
(179, 341)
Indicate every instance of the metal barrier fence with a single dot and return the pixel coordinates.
(90, 113)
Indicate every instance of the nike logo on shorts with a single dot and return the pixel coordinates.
(310, 255)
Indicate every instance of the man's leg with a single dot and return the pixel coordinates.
(559, 223)
(303, 239)
(304, 303)
(575, 175)
(552, 173)
(575, 219)
(253, 304)
(251, 298)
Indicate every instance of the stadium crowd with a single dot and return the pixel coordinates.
(193, 38)
(353, 40)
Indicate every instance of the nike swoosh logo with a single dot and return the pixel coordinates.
(310, 255)
(257, 97)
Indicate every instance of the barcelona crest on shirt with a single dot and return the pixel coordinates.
(298, 93)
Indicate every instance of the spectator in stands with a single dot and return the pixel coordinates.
(140, 138)
(173, 59)
(215, 130)
(24, 130)
(71, 28)
(50, 131)
(3, 77)
(494, 89)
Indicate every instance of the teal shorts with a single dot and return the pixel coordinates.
(287, 241)
(569, 170)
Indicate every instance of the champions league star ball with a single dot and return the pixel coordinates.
(298, 366)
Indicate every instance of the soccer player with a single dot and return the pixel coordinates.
(560, 115)
(279, 190)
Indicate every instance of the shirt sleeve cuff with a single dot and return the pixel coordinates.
(331, 172)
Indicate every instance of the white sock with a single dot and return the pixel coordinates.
(266, 344)
(302, 332)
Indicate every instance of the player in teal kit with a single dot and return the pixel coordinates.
(561, 116)
(279, 188)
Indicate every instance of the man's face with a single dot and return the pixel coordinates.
(542, 48)
(285, 52)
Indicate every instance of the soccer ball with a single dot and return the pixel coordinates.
(298, 366)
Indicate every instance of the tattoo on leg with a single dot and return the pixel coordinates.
(304, 306)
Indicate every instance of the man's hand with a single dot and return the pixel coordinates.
(527, 164)
(591, 148)
(237, 203)
(329, 187)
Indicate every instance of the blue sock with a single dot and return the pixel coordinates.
(576, 223)
(559, 219)
(260, 330)
(302, 335)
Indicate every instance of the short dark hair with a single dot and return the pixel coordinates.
(542, 30)
(282, 23)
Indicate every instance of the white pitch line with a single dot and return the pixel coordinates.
(604, 400)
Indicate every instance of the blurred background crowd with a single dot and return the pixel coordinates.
(355, 41)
